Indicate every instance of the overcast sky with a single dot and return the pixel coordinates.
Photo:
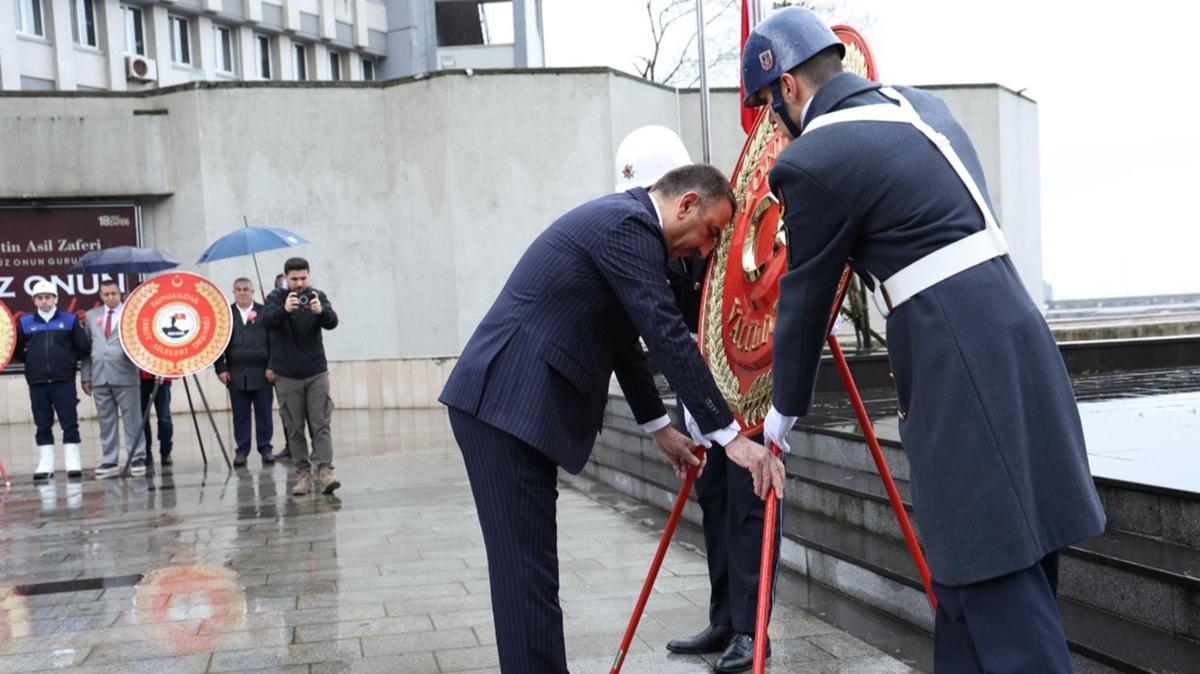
(1120, 145)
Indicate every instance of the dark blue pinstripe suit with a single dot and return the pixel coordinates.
(528, 395)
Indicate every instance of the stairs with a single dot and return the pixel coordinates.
(1130, 599)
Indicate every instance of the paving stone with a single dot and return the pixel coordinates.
(388, 576)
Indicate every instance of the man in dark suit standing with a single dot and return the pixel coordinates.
(528, 393)
(887, 178)
(243, 368)
(732, 514)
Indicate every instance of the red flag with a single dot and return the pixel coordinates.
(748, 114)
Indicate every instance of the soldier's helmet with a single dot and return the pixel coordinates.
(779, 43)
(646, 154)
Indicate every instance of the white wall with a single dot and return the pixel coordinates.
(418, 197)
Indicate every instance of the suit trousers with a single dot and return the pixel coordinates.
(59, 398)
(162, 411)
(1005, 625)
(127, 401)
(516, 489)
(242, 401)
(733, 527)
(301, 402)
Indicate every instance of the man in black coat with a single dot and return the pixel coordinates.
(243, 368)
(297, 316)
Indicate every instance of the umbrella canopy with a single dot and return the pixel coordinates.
(125, 260)
(250, 240)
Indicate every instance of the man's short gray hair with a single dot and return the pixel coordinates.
(705, 180)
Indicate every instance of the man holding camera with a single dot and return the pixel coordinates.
(295, 317)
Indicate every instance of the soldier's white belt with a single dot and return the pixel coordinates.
(952, 258)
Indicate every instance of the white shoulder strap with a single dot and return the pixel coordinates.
(950, 259)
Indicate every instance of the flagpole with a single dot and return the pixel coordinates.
(704, 121)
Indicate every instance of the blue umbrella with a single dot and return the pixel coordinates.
(248, 241)
(125, 260)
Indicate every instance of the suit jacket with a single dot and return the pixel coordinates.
(249, 351)
(999, 469)
(539, 363)
(107, 365)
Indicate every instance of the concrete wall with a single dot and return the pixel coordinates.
(418, 196)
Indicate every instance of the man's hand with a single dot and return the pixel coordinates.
(765, 468)
(87, 387)
(679, 450)
(291, 303)
(270, 376)
(314, 304)
(224, 377)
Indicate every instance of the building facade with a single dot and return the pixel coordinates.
(121, 45)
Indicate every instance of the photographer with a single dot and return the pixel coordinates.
(295, 317)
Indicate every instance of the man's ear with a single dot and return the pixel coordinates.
(686, 203)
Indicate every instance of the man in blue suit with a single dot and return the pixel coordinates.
(528, 393)
(886, 178)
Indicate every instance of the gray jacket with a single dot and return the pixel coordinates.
(107, 365)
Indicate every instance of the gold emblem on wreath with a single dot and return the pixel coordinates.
(222, 329)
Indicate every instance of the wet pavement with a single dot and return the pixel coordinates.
(211, 571)
(1141, 427)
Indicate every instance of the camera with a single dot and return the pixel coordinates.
(306, 297)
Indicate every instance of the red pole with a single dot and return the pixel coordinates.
(663, 544)
(766, 568)
(914, 548)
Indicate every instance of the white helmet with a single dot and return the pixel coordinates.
(646, 154)
(44, 288)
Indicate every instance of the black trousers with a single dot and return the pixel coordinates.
(264, 424)
(1005, 625)
(733, 528)
(162, 410)
(516, 489)
(59, 398)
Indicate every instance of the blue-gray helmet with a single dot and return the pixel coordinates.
(779, 43)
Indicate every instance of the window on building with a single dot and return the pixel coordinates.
(300, 62)
(135, 37)
(28, 14)
(335, 66)
(368, 68)
(181, 40)
(474, 23)
(223, 47)
(83, 22)
(262, 47)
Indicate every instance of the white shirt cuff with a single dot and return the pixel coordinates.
(656, 425)
(724, 436)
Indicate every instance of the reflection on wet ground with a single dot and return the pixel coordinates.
(205, 570)
(1141, 427)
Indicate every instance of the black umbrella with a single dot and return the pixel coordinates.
(125, 260)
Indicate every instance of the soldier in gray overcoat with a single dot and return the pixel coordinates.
(887, 179)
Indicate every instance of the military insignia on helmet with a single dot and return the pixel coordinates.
(627, 171)
(766, 59)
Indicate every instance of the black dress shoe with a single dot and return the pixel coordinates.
(267, 458)
(712, 639)
(739, 655)
(239, 461)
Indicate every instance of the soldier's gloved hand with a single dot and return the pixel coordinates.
(776, 427)
(693, 428)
